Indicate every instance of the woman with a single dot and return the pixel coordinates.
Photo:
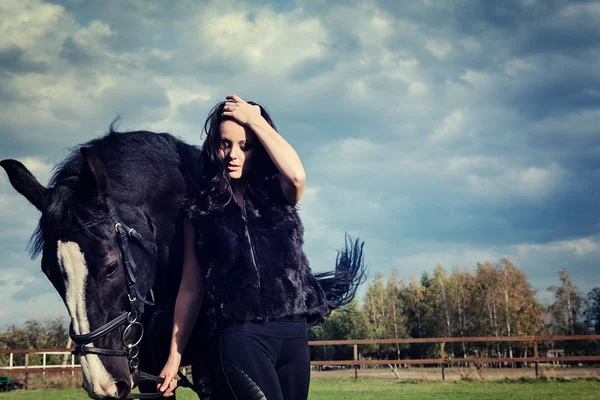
(248, 269)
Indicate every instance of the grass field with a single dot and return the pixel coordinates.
(369, 390)
(460, 374)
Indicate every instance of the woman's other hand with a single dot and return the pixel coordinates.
(169, 372)
(239, 110)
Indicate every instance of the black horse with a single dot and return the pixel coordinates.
(110, 234)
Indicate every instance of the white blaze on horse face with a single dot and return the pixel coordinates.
(96, 379)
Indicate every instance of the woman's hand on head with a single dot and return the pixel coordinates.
(239, 110)
(169, 372)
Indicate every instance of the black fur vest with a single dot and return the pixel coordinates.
(254, 265)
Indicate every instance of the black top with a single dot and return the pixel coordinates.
(254, 264)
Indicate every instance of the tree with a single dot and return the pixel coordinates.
(439, 320)
(504, 304)
(347, 323)
(384, 311)
(374, 307)
(567, 307)
(567, 313)
(461, 299)
(592, 313)
(412, 298)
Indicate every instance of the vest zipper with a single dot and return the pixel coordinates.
(247, 231)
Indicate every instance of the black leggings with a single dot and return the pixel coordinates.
(253, 361)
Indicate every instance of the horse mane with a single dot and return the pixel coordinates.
(129, 156)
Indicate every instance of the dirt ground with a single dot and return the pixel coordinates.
(457, 373)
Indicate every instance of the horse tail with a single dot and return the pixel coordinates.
(340, 286)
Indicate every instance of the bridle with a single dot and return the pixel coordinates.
(128, 318)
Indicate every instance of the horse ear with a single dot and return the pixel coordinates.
(94, 171)
(25, 183)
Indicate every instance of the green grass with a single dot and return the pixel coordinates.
(369, 390)
(365, 390)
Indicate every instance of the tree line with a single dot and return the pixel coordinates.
(494, 300)
(51, 333)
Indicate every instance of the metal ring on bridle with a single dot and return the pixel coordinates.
(127, 328)
(117, 226)
(133, 352)
(132, 317)
(134, 363)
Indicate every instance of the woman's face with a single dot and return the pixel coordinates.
(237, 148)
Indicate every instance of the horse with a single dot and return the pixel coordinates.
(110, 235)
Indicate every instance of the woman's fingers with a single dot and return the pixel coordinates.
(239, 110)
(230, 106)
(235, 98)
(165, 385)
(172, 386)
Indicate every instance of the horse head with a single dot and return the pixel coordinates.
(102, 248)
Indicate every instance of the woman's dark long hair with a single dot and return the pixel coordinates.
(214, 190)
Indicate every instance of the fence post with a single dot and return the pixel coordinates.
(26, 373)
(443, 356)
(355, 359)
(10, 361)
(535, 356)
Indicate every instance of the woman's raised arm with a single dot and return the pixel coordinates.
(285, 158)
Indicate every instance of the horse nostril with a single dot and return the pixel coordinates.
(123, 389)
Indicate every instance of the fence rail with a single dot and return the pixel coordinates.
(442, 360)
(458, 340)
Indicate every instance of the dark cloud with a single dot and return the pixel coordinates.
(8, 94)
(74, 54)
(14, 59)
(15, 144)
(311, 68)
(556, 85)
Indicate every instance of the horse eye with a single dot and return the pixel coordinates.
(111, 269)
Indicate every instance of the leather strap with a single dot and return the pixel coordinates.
(98, 350)
(182, 382)
(98, 333)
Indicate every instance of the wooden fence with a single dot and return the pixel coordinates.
(442, 361)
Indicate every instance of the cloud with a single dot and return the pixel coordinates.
(285, 40)
(13, 59)
(531, 183)
(451, 128)
(439, 48)
(579, 247)
(541, 262)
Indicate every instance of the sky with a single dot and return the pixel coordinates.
(438, 132)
